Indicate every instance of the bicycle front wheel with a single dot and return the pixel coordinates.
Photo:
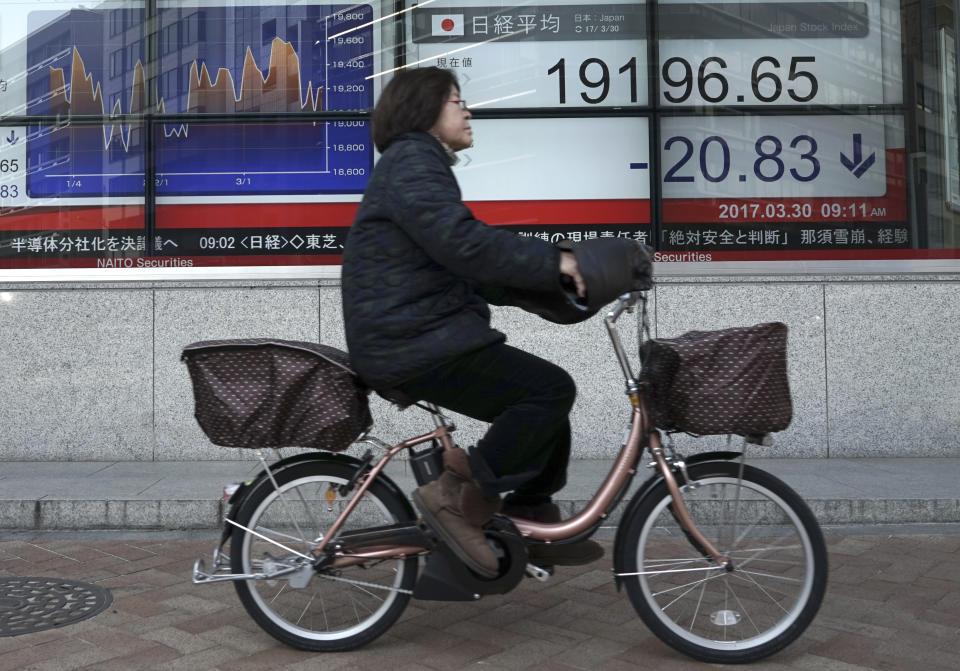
(779, 562)
(335, 609)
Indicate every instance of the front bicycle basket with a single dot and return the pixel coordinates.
(262, 392)
(719, 382)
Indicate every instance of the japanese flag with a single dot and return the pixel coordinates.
(447, 24)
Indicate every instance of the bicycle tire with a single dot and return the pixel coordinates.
(779, 565)
(330, 613)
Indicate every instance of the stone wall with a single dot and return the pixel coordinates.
(92, 371)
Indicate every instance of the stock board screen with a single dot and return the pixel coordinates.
(805, 170)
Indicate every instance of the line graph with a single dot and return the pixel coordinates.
(218, 60)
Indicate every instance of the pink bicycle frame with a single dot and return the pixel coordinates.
(624, 467)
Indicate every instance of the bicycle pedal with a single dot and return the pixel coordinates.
(539, 573)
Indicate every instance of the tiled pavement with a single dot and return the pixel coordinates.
(893, 602)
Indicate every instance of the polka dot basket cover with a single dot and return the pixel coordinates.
(732, 381)
(262, 392)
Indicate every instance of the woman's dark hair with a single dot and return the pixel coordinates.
(411, 101)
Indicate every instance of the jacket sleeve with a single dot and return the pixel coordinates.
(610, 267)
(426, 204)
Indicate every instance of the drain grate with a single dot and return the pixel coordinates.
(34, 604)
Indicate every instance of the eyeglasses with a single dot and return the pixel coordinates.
(462, 103)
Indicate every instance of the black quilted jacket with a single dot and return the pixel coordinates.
(412, 264)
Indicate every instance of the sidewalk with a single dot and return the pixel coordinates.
(186, 495)
(892, 604)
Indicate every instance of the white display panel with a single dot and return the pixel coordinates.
(529, 54)
(773, 156)
(556, 159)
(783, 187)
(801, 52)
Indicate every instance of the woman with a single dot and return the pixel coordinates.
(415, 265)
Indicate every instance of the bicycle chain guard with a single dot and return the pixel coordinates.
(445, 578)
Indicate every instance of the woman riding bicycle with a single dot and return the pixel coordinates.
(419, 271)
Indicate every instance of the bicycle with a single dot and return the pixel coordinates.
(722, 561)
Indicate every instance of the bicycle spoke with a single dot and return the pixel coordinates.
(664, 563)
(369, 593)
(267, 531)
(282, 587)
(285, 506)
(758, 552)
(743, 609)
(353, 602)
(692, 585)
(734, 543)
(304, 612)
(696, 611)
(767, 590)
(323, 608)
(771, 576)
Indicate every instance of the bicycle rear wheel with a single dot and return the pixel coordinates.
(779, 565)
(335, 609)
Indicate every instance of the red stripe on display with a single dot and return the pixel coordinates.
(74, 218)
(661, 257)
(198, 262)
(564, 212)
(255, 215)
(810, 255)
(293, 215)
(497, 213)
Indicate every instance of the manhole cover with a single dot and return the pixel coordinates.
(35, 604)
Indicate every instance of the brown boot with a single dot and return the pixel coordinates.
(546, 555)
(454, 506)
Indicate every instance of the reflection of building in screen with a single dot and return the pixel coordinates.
(220, 60)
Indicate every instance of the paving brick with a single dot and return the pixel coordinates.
(591, 653)
(276, 657)
(233, 637)
(26, 640)
(193, 604)
(205, 659)
(817, 663)
(458, 656)
(526, 654)
(78, 660)
(575, 620)
(144, 604)
(178, 640)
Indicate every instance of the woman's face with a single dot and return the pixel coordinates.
(453, 124)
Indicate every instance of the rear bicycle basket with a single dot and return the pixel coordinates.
(262, 392)
(732, 381)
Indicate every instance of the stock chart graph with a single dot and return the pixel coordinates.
(212, 60)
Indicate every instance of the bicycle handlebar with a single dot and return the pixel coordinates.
(624, 303)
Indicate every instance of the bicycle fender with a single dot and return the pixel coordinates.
(244, 490)
(643, 492)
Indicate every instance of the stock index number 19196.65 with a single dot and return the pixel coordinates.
(771, 80)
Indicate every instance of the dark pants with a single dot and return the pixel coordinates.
(527, 401)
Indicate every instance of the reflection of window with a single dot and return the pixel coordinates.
(170, 83)
(133, 53)
(116, 21)
(116, 63)
(190, 34)
(170, 39)
(268, 31)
